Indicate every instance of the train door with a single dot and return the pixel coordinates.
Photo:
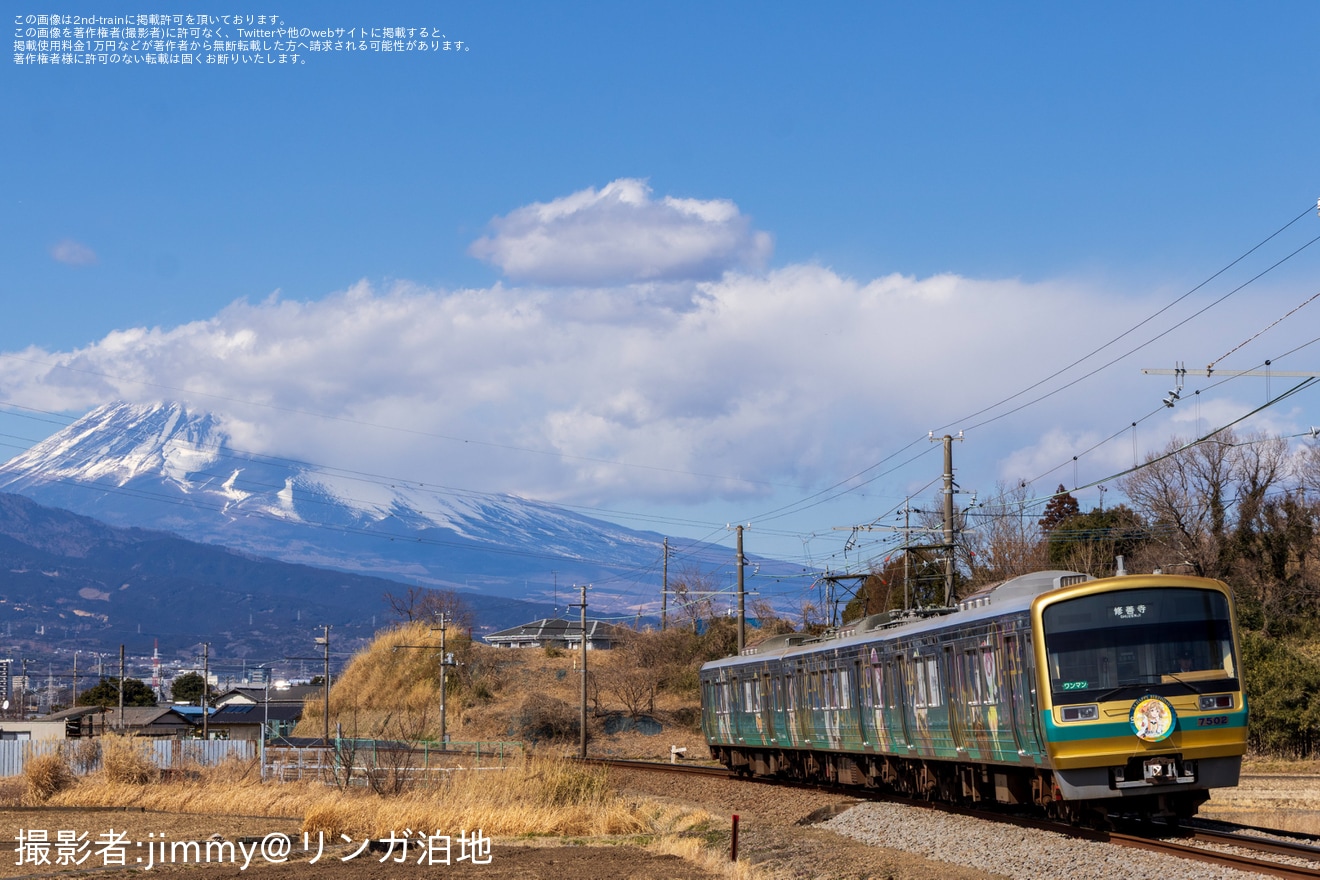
(779, 708)
(766, 720)
(896, 701)
(957, 702)
(857, 716)
(875, 719)
(1020, 697)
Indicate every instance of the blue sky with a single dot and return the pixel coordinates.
(687, 262)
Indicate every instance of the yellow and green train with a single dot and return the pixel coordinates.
(1075, 694)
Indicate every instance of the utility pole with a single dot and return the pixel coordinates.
(446, 661)
(582, 721)
(947, 440)
(742, 613)
(664, 590)
(121, 687)
(206, 686)
(324, 641)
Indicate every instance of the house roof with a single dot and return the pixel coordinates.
(243, 714)
(298, 693)
(134, 716)
(558, 629)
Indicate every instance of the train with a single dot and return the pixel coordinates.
(1055, 691)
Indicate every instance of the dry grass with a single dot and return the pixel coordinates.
(537, 796)
(715, 861)
(532, 797)
(1263, 764)
(382, 686)
(395, 694)
(45, 776)
(127, 761)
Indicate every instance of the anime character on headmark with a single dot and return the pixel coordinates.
(1152, 719)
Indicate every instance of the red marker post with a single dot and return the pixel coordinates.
(733, 844)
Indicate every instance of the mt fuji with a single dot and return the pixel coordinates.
(166, 468)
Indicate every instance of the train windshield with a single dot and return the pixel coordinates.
(1162, 640)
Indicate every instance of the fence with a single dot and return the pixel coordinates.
(383, 763)
(380, 764)
(84, 755)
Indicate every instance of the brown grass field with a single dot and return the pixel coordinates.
(550, 817)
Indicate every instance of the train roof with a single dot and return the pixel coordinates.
(997, 600)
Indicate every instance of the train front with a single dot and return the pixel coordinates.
(1140, 690)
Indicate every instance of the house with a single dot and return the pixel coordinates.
(154, 721)
(294, 695)
(243, 721)
(559, 633)
(31, 730)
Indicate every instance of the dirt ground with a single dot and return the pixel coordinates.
(1271, 798)
(506, 859)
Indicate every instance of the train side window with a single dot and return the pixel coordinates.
(936, 692)
(972, 677)
(919, 674)
(990, 694)
(926, 672)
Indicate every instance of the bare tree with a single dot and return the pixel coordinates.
(426, 604)
(999, 540)
(1185, 493)
(692, 596)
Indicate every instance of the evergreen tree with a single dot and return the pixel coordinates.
(1061, 506)
(187, 688)
(106, 693)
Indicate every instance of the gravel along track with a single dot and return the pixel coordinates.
(1010, 850)
(789, 833)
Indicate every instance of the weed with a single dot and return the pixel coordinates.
(46, 776)
(127, 760)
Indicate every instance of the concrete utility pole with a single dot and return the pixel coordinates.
(664, 591)
(445, 663)
(582, 722)
(121, 687)
(206, 685)
(947, 440)
(324, 641)
(742, 613)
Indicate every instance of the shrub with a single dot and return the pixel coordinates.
(45, 775)
(544, 718)
(127, 760)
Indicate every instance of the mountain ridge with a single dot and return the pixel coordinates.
(163, 467)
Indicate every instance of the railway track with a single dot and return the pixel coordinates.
(1262, 851)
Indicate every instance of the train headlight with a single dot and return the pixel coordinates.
(1080, 713)
(1216, 701)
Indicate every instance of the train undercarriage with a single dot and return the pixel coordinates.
(954, 782)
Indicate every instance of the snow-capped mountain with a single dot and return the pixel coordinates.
(163, 467)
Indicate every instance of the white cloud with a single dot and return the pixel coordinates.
(72, 253)
(675, 391)
(785, 377)
(620, 234)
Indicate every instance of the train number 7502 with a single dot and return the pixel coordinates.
(1213, 721)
